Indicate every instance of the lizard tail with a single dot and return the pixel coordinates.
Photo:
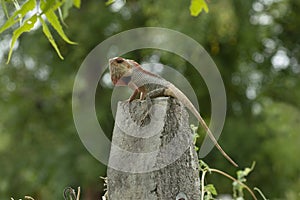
(187, 103)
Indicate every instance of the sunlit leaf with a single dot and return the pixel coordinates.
(54, 21)
(46, 5)
(48, 9)
(211, 189)
(26, 27)
(19, 14)
(197, 6)
(76, 3)
(108, 2)
(49, 36)
(50, 5)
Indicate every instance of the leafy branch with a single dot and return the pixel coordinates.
(209, 191)
(28, 19)
(196, 6)
(54, 11)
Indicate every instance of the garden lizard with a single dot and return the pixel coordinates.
(125, 72)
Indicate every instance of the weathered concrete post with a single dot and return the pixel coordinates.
(152, 156)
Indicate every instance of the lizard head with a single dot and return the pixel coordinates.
(121, 70)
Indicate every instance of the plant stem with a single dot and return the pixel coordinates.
(232, 178)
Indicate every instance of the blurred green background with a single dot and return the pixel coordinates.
(255, 44)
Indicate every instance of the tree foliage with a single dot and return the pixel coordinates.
(28, 19)
(47, 10)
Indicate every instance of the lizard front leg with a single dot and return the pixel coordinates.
(148, 95)
(133, 96)
(135, 89)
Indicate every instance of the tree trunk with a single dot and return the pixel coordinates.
(152, 154)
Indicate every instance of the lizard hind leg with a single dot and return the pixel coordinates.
(159, 92)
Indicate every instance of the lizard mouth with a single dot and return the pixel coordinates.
(114, 74)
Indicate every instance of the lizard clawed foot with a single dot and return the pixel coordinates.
(148, 109)
(148, 97)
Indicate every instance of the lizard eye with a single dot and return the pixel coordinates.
(119, 60)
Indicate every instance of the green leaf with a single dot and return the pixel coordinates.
(53, 20)
(76, 3)
(68, 4)
(203, 166)
(46, 5)
(197, 6)
(49, 36)
(48, 10)
(26, 27)
(4, 8)
(66, 7)
(195, 133)
(243, 173)
(108, 2)
(19, 14)
(211, 189)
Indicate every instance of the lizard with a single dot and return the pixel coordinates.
(126, 72)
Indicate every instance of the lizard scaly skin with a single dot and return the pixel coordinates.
(125, 72)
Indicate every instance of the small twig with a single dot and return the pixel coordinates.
(260, 192)
(78, 193)
(202, 184)
(69, 193)
(234, 179)
(29, 197)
